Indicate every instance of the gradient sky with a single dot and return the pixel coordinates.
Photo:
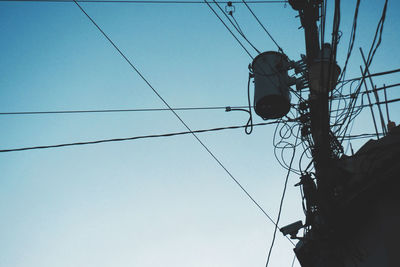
(152, 202)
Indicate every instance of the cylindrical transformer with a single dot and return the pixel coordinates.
(271, 85)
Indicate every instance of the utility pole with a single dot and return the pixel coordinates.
(318, 76)
(351, 205)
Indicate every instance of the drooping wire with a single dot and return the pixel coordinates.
(282, 199)
(249, 125)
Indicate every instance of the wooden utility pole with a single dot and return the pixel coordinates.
(319, 89)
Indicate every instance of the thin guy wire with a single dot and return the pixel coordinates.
(180, 119)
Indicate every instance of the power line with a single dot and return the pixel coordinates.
(237, 28)
(360, 136)
(144, 1)
(115, 110)
(149, 137)
(368, 105)
(352, 95)
(282, 199)
(226, 26)
(131, 138)
(262, 26)
(350, 115)
(179, 118)
(372, 75)
(352, 39)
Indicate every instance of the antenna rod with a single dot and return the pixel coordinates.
(375, 93)
(370, 104)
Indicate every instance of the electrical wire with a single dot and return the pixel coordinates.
(294, 258)
(375, 94)
(349, 96)
(143, 1)
(262, 26)
(226, 26)
(323, 22)
(334, 43)
(282, 199)
(116, 110)
(249, 125)
(237, 28)
(372, 75)
(352, 39)
(361, 136)
(370, 103)
(237, 24)
(180, 119)
(386, 104)
(351, 114)
(132, 138)
(377, 103)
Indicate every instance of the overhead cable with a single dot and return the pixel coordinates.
(116, 110)
(132, 138)
(367, 105)
(347, 96)
(350, 114)
(375, 93)
(237, 28)
(145, 1)
(179, 118)
(262, 26)
(226, 26)
(372, 75)
(282, 199)
(352, 39)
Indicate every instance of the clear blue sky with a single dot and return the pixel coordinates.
(152, 202)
